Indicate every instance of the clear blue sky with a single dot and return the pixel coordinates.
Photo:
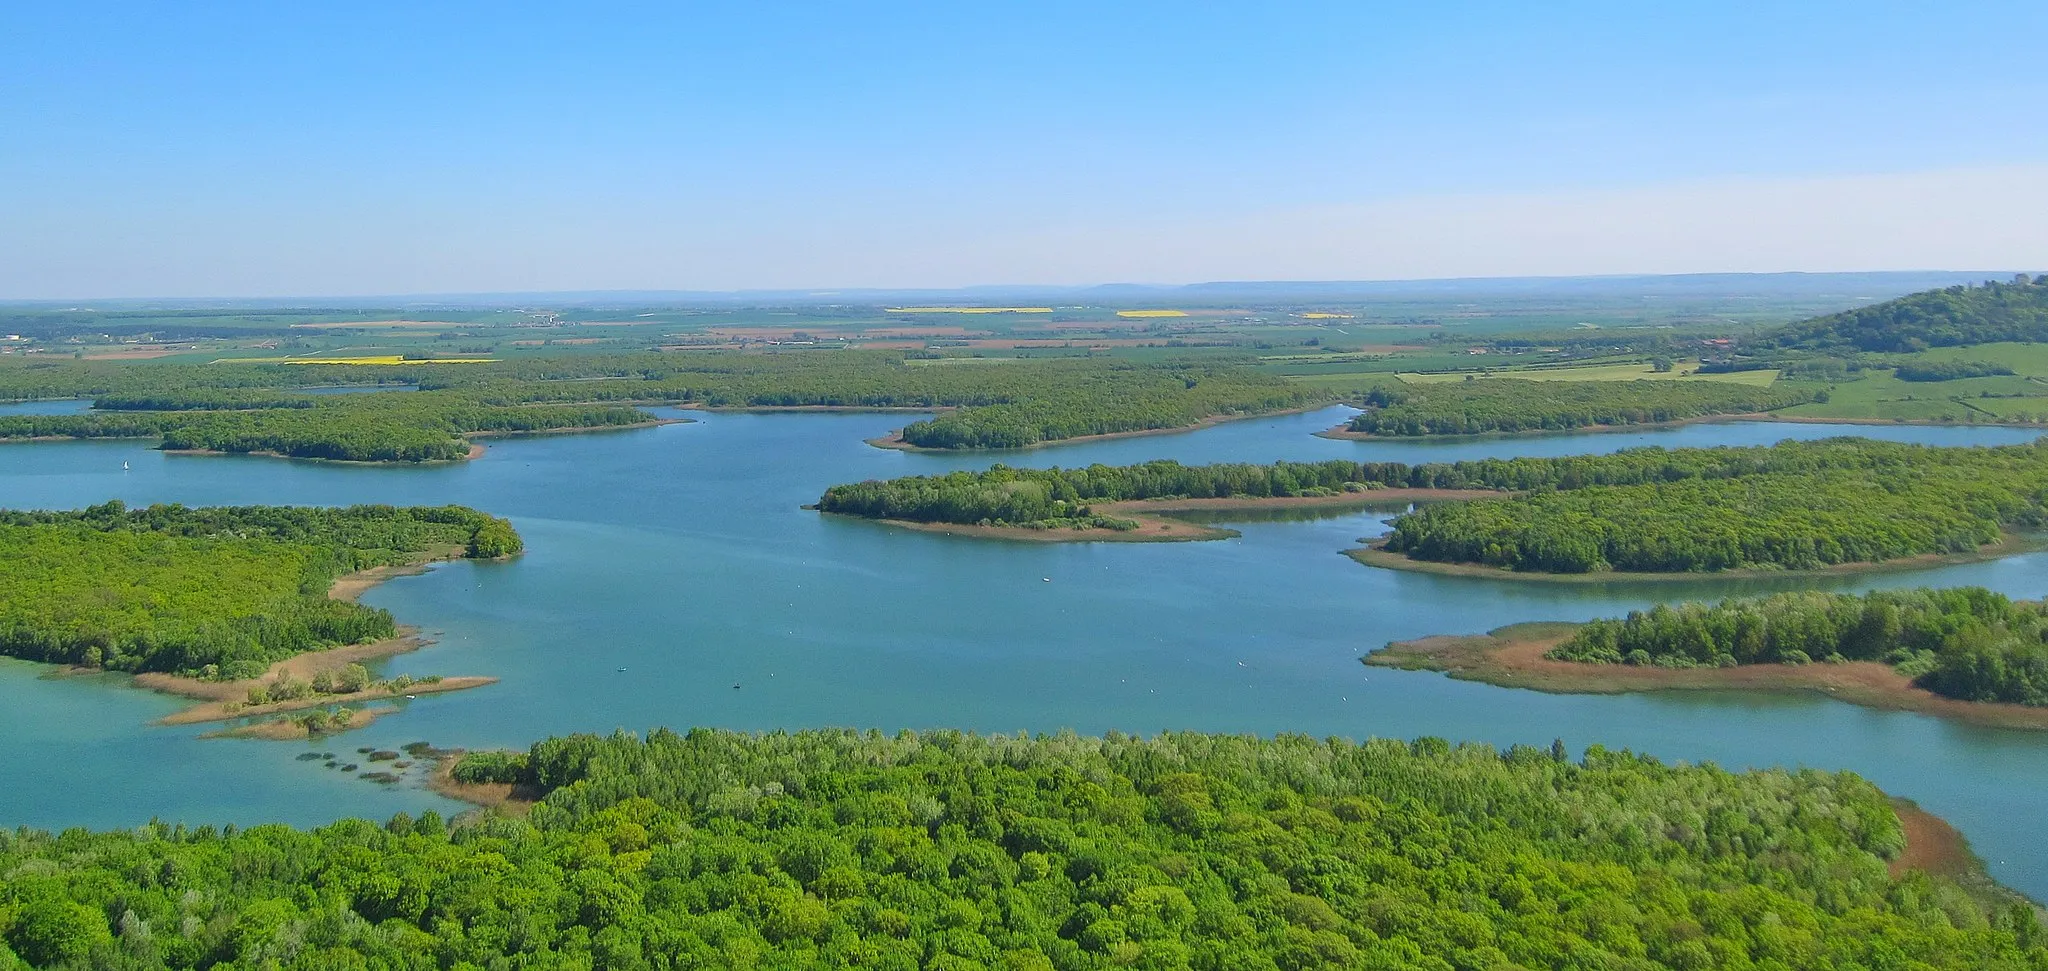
(300, 148)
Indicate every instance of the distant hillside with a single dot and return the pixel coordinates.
(1951, 317)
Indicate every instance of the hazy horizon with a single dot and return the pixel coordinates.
(1107, 293)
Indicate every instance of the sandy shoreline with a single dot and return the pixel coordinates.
(1512, 657)
(289, 730)
(1375, 554)
(895, 439)
(505, 797)
(1156, 524)
(213, 711)
(224, 700)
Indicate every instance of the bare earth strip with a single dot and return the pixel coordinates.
(214, 711)
(1933, 846)
(503, 797)
(1513, 657)
(1156, 523)
(287, 730)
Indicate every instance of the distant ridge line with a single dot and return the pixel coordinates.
(1645, 284)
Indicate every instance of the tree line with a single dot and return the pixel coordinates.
(411, 427)
(1966, 642)
(1508, 405)
(1948, 370)
(944, 850)
(999, 404)
(219, 592)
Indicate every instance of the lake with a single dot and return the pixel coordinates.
(671, 579)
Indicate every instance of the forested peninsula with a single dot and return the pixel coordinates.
(947, 850)
(1964, 653)
(1791, 506)
(1966, 643)
(1083, 499)
(1501, 405)
(217, 594)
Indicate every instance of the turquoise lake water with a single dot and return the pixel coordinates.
(667, 565)
(54, 406)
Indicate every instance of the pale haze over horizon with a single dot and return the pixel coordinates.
(286, 149)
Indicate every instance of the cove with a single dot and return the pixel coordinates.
(679, 554)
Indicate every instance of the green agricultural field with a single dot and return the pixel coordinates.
(1368, 368)
(2030, 360)
(1879, 396)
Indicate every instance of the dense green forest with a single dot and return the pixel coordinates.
(949, 851)
(1950, 317)
(1501, 405)
(1928, 371)
(1002, 404)
(1967, 642)
(213, 592)
(1794, 506)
